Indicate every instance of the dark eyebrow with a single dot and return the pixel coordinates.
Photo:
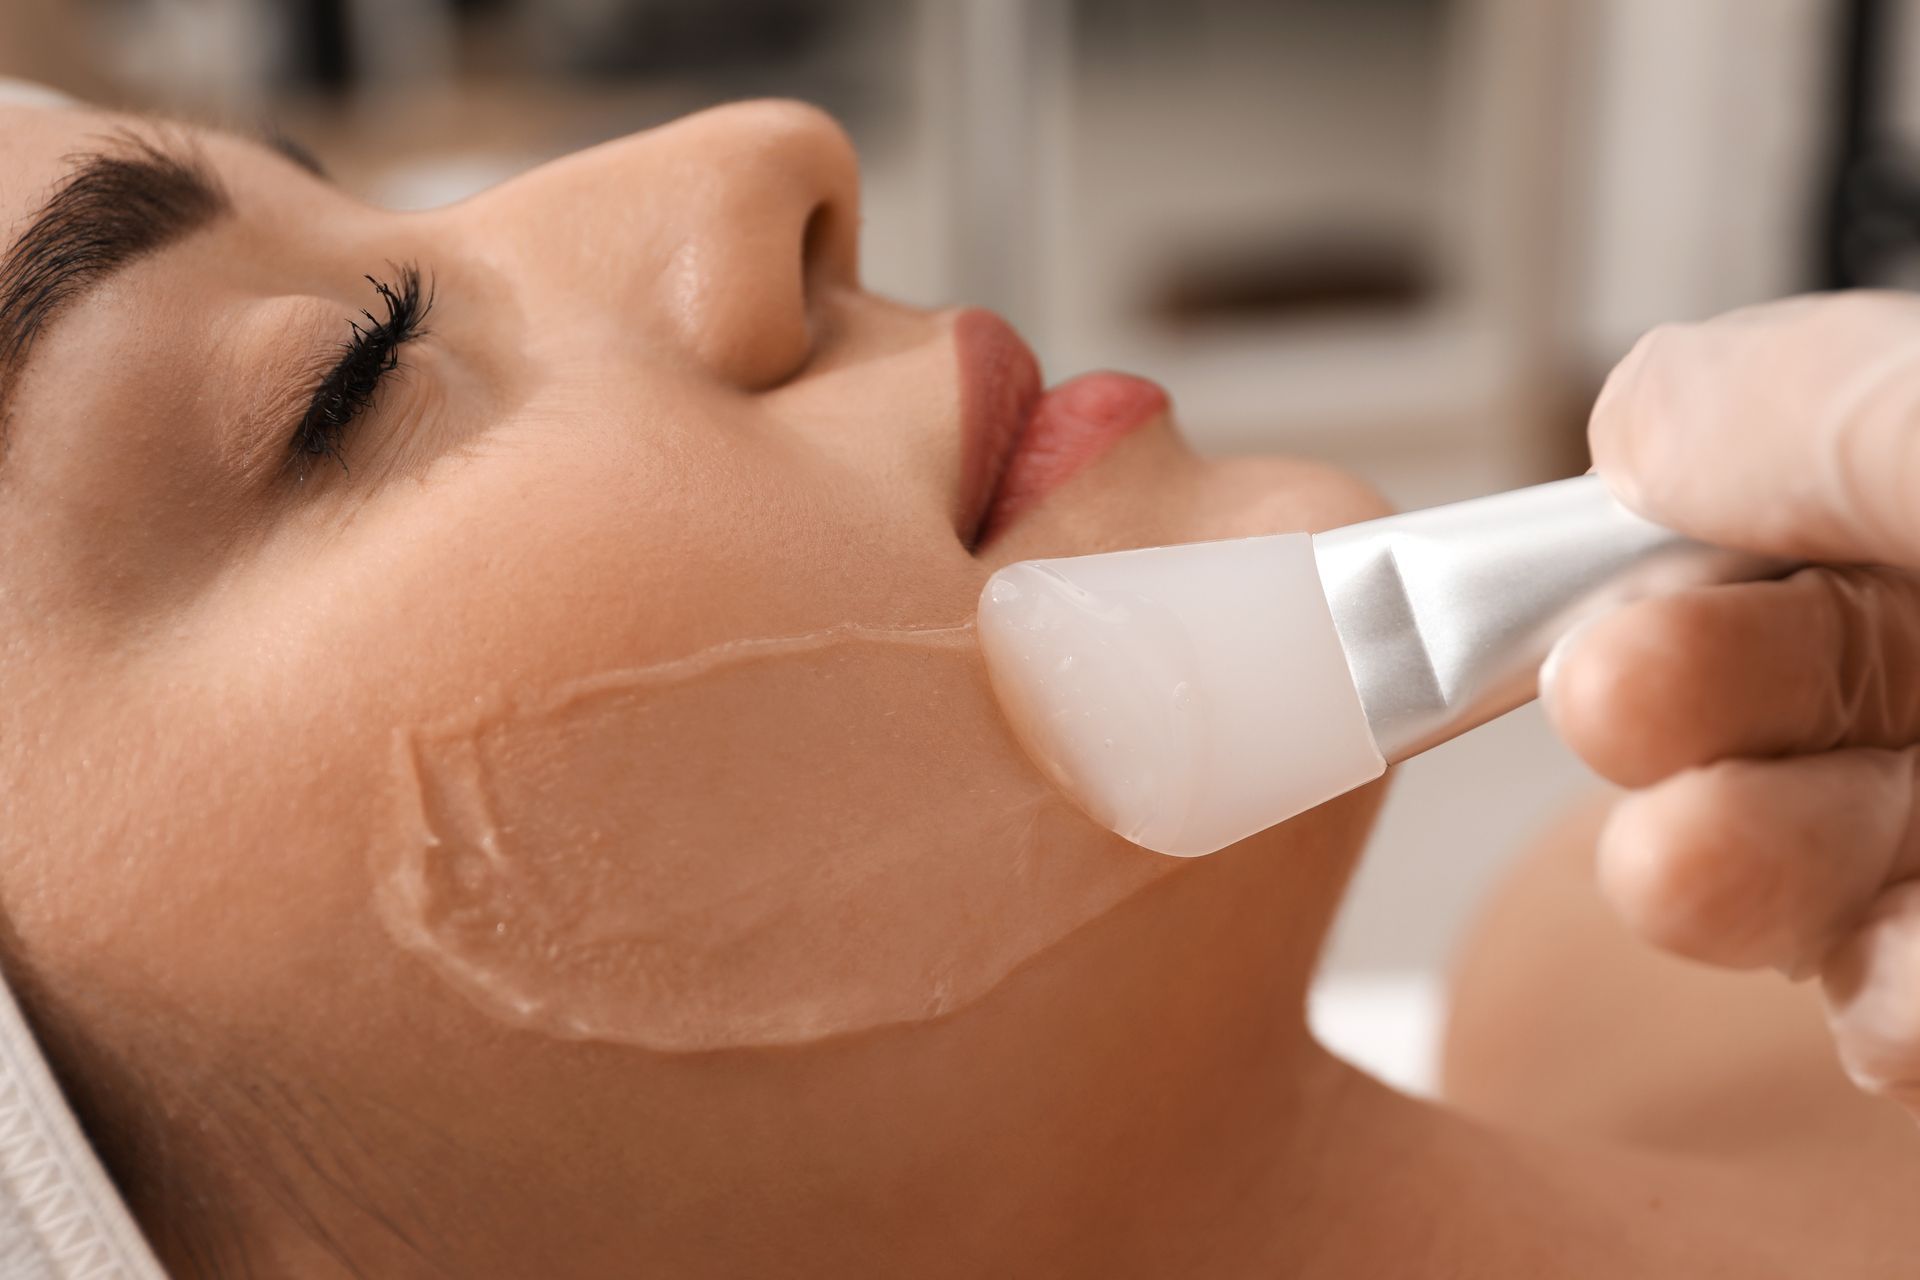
(291, 148)
(119, 203)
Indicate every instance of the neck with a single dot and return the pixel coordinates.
(1142, 1100)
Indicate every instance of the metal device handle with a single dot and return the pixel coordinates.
(1447, 613)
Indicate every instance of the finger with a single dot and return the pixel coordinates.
(1824, 659)
(1791, 428)
(1872, 985)
(1755, 863)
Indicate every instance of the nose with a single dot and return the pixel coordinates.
(718, 233)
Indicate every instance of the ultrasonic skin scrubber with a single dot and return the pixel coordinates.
(1187, 697)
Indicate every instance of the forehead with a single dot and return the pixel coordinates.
(36, 147)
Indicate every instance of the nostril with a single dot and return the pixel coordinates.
(813, 241)
(826, 247)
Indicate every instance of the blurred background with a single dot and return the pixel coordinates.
(1407, 236)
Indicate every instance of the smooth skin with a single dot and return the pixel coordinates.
(1771, 731)
(656, 411)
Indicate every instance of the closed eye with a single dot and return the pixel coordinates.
(367, 357)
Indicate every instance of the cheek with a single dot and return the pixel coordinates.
(697, 523)
(686, 759)
(769, 842)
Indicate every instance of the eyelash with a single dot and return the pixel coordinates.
(366, 358)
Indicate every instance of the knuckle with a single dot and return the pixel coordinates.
(1872, 622)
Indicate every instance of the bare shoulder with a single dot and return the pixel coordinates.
(1564, 1023)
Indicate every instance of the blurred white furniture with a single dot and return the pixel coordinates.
(1074, 180)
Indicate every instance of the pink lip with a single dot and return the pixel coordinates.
(1020, 443)
(999, 386)
(1073, 424)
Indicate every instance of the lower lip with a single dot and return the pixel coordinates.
(1072, 425)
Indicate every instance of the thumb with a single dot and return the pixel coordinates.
(1791, 428)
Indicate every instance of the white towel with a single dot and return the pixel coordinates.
(60, 1218)
(26, 93)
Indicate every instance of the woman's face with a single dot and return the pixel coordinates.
(609, 665)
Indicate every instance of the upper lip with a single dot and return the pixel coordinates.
(999, 387)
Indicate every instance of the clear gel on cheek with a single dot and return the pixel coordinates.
(768, 842)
